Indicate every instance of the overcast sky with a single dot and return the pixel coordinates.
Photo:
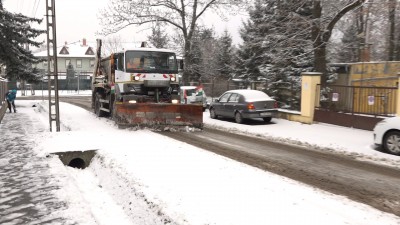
(77, 19)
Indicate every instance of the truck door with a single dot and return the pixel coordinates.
(119, 71)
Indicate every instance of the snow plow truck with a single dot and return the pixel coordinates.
(140, 88)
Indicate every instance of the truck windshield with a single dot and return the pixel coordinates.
(151, 62)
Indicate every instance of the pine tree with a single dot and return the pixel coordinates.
(248, 59)
(287, 49)
(202, 57)
(277, 48)
(224, 56)
(15, 34)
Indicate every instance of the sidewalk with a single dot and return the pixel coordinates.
(26, 186)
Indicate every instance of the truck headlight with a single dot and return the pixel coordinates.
(175, 101)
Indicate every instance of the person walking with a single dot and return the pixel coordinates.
(10, 97)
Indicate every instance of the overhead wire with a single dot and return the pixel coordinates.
(37, 6)
(33, 8)
(19, 5)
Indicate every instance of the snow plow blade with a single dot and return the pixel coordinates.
(158, 115)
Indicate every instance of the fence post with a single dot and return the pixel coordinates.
(309, 83)
(398, 95)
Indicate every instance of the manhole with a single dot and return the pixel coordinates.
(76, 159)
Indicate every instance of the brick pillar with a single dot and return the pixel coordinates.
(309, 83)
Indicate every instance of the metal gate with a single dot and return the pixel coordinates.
(354, 106)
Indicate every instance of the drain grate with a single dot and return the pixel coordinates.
(76, 159)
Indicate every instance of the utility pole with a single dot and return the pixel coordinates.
(54, 110)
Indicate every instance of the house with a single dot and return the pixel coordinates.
(377, 74)
(74, 60)
(363, 88)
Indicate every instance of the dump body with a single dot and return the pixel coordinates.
(140, 87)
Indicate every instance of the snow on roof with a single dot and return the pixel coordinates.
(252, 95)
(188, 87)
(150, 50)
(73, 50)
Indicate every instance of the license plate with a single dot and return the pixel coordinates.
(265, 114)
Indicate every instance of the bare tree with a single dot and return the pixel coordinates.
(158, 37)
(322, 27)
(112, 44)
(392, 41)
(183, 15)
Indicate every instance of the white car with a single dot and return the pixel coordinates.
(387, 135)
(193, 95)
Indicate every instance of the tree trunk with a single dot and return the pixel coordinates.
(391, 45)
(320, 62)
(318, 43)
(321, 34)
(186, 63)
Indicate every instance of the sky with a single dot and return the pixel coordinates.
(140, 177)
(78, 19)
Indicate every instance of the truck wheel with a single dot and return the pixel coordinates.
(97, 105)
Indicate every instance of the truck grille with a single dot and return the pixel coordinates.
(156, 83)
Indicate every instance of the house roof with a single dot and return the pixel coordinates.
(73, 50)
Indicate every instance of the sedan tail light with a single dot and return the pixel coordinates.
(275, 104)
(250, 106)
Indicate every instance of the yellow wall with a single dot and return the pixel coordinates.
(376, 74)
(383, 74)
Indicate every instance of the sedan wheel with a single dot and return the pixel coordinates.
(267, 119)
(238, 117)
(391, 142)
(213, 115)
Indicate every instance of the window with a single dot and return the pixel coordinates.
(45, 64)
(224, 97)
(157, 62)
(67, 62)
(79, 63)
(234, 98)
(91, 63)
(121, 62)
